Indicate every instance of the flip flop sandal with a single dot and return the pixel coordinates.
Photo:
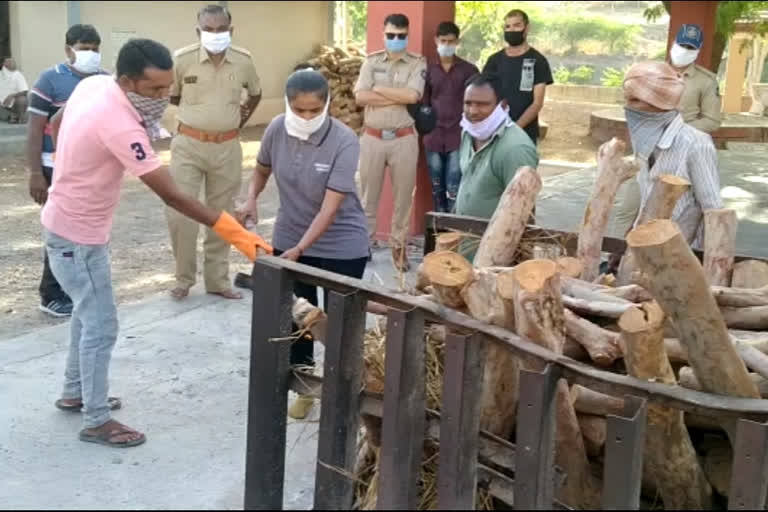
(113, 402)
(104, 438)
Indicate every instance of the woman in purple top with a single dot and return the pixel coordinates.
(320, 221)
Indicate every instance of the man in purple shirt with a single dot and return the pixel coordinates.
(444, 92)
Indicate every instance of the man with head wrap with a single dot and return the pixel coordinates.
(665, 144)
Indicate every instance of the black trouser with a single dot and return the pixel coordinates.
(49, 286)
(302, 352)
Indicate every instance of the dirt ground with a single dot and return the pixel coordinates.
(142, 262)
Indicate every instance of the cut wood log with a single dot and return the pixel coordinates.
(483, 300)
(593, 429)
(594, 308)
(606, 280)
(718, 463)
(587, 401)
(502, 236)
(719, 245)
(740, 297)
(665, 191)
(754, 318)
(679, 285)
(669, 460)
(602, 345)
(750, 274)
(448, 273)
(447, 242)
(631, 292)
(752, 357)
(575, 350)
(539, 317)
(687, 379)
(422, 281)
(309, 318)
(578, 289)
(569, 266)
(612, 171)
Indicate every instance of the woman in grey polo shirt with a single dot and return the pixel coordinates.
(320, 221)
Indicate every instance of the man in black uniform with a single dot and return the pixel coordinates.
(522, 72)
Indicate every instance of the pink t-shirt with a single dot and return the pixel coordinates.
(100, 137)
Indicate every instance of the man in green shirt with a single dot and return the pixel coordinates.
(492, 149)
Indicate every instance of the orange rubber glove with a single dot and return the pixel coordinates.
(243, 240)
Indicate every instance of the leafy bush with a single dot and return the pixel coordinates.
(582, 74)
(612, 77)
(562, 75)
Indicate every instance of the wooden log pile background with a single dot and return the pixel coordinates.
(669, 320)
(341, 67)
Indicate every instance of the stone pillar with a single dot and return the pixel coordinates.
(703, 14)
(424, 18)
(735, 74)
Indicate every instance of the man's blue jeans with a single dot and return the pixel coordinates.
(84, 273)
(445, 174)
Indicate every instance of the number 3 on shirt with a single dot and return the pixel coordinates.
(139, 150)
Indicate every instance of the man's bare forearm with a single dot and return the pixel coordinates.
(250, 108)
(529, 115)
(35, 129)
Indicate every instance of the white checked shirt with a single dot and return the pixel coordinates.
(688, 153)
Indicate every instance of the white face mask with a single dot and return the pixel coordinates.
(682, 57)
(484, 130)
(215, 42)
(87, 61)
(446, 50)
(301, 128)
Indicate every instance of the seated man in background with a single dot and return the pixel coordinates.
(700, 103)
(493, 147)
(13, 93)
(664, 144)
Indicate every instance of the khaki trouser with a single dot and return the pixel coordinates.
(219, 167)
(625, 208)
(17, 112)
(401, 156)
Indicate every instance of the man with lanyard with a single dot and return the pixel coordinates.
(389, 80)
(105, 130)
(444, 92)
(210, 78)
(493, 148)
(665, 144)
(13, 93)
(524, 74)
(48, 95)
(700, 104)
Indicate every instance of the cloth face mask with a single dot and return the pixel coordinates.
(301, 128)
(485, 129)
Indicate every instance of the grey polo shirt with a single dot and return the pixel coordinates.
(304, 170)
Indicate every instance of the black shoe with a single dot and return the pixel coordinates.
(243, 281)
(57, 308)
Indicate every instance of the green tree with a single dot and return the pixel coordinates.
(612, 77)
(728, 13)
(561, 75)
(582, 74)
(619, 37)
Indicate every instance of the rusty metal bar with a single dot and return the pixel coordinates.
(623, 467)
(268, 387)
(460, 422)
(534, 467)
(749, 476)
(402, 429)
(342, 380)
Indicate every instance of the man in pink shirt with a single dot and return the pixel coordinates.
(104, 130)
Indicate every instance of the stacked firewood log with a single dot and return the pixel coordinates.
(667, 317)
(341, 67)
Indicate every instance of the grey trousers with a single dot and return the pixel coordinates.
(84, 273)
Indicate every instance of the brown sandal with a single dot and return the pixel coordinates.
(105, 438)
(113, 402)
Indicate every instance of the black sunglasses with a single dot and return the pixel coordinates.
(390, 35)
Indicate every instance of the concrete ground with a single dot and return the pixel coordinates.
(182, 372)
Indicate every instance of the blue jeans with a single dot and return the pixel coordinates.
(84, 273)
(445, 174)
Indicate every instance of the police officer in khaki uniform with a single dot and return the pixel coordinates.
(210, 78)
(390, 80)
(700, 104)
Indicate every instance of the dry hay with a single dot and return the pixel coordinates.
(367, 474)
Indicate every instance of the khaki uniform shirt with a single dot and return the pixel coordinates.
(409, 71)
(210, 97)
(700, 103)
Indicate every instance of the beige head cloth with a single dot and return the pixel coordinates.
(655, 83)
